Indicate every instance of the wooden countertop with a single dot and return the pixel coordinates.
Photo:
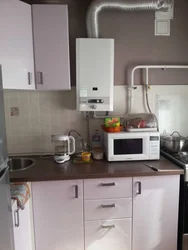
(48, 170)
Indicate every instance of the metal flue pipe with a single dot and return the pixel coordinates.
(97, 6)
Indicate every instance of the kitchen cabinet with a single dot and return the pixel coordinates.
(108, 188)
(108, 234)
(155, 212)
(16, 43)
(108, 213)
(108, 209)
(58, 215)
(51, 46)
(22, 228)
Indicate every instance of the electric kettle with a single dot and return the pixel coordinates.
(64, 147)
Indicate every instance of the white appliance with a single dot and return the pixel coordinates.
(135, 146)
(64, 147)
(94, 74)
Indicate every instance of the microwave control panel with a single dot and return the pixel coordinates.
(154, 147)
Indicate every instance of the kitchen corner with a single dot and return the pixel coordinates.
(93, 125)
(102, 195)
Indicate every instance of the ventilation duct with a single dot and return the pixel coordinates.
(97, 6)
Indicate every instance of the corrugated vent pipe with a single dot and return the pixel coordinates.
(126, 5)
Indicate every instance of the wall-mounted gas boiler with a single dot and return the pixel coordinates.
(94, 74)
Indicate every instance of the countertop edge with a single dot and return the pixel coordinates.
(152, 173)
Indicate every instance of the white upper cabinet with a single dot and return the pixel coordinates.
(16, 45)
(51, 46)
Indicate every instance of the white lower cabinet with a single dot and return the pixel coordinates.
(108, 213)
(138, 213)
(108, 234)
(58, 215)
(22, 228)
(155, 212)
(108, 209)
(107, 188)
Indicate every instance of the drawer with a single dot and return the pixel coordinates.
(108, 209)
(110, 234)
(108, 188)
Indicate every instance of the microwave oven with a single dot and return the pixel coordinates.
(132, 146)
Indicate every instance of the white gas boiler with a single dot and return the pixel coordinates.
(94, 74)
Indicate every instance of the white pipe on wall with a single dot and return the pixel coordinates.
(132, 87)
(147, 67)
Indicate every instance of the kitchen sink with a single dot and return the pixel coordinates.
(17, 164)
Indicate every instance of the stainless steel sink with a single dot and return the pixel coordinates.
(17, 164)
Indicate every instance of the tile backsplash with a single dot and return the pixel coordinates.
(32, 116)
(38, 115)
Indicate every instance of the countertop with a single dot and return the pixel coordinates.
(47, 170)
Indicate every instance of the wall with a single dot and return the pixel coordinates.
(135, 42)
(42, 114)
(45, 113)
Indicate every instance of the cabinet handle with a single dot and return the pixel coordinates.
(16, 218)
(108, 184)
(76, 191)
(139, 184)
(30, 80)
(108, 227)
(108, 206)
(40, 78)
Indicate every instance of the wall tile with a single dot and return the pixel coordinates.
(45, 113)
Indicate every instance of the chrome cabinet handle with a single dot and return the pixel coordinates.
(108, 227)
(108, 184)
(76, 191)
(108, 206)
(40, 78)
(30, 80)
(16, 218)
(139, 184)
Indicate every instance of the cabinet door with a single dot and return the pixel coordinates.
(16, 43)
(108, 234)
(58, 215)
(155, 212)
(22, 227)
(51, 46)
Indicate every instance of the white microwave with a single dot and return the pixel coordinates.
(132, 146)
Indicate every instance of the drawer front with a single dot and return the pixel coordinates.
(108, 188)
(108, 209)
(110, 234)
